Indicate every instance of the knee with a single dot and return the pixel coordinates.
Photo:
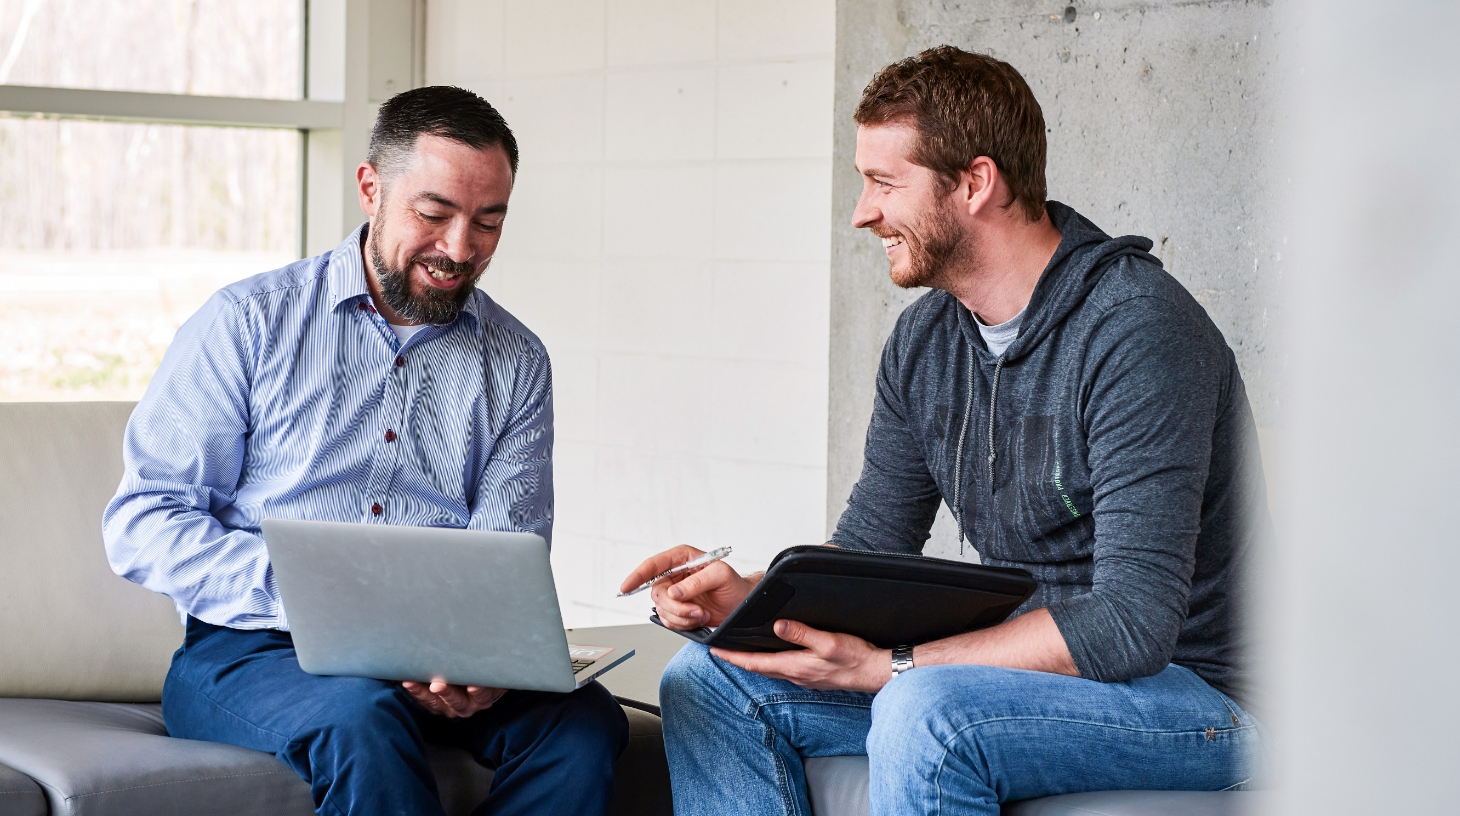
(593, 722)
(918, 708)
(357, 709)
(688, 679)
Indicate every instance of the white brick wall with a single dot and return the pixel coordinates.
(669, 241)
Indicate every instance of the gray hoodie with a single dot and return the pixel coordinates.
(1110, 452)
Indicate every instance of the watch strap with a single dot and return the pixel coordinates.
(902, 659)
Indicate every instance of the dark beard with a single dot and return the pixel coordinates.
(936, 240)
(432, 306)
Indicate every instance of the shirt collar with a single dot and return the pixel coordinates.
(347, 276)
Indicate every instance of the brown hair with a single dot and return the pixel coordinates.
(964, 106)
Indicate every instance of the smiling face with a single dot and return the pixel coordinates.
(907, 205)
(434, 226)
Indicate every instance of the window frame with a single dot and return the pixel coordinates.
(346, 66)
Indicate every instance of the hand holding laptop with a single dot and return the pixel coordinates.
(384, 601)
(453, 701)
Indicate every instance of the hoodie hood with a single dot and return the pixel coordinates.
(1084, 254)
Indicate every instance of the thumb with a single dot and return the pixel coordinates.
(803, 635)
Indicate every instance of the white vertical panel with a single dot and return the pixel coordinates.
(392, 48)
(1363, 599)
(324, 166)
(691, 386)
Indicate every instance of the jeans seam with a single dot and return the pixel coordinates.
(1096, 724)
(754, 705)
(783, 782)
(947, 744)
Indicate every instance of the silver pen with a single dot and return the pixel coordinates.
(708, 558)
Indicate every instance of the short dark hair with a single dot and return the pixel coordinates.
(440, 110)
(964, 106)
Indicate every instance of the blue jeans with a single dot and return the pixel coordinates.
(360, 744)
(945, 739)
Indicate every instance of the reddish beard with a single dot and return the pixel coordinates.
(932, 242)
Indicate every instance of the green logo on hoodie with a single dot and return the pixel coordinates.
(1059, 485)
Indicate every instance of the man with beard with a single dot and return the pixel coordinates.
(372, 384)
(1083, 419)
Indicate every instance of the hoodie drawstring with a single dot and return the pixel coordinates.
(963, 439)
(993, 406)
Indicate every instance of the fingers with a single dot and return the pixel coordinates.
(422, 695)
(452, 701)
(670, 609)
(676, 601)
(704, 580)
(656, 564)
(821, 643)
(453, 697)
(677, 614)
(483, 697)
(777, 665)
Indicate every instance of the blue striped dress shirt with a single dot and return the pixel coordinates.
(288, 396)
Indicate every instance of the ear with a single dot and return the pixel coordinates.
(977, 185)
(370, 188)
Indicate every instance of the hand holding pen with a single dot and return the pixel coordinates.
(688, 596)
(694, 564)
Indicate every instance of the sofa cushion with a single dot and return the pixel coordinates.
(837, 786)
(69, 628)
(641, 775)
(19, 796)
(116, 758)
(1142, 803)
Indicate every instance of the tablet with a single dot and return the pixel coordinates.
(888, 599)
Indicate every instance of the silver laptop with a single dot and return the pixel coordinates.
(424, 603)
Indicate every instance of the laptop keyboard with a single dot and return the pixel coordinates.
(580, 665)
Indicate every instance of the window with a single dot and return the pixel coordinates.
(208, 47)
(152, 151)
(116, 232)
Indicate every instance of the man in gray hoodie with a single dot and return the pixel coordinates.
(1084, 420)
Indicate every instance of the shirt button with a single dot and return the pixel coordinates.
(377, 509)
(389, 436)
(363, 306)
(400, 361)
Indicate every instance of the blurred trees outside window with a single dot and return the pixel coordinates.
(114, 232)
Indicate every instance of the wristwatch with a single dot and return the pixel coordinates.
(901, 659)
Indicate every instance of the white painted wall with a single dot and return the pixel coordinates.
(669, 242)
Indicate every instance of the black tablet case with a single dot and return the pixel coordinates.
(888, 599)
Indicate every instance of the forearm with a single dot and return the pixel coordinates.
(1031, 641)
(211, 572)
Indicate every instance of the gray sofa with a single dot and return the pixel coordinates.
(83, 654)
